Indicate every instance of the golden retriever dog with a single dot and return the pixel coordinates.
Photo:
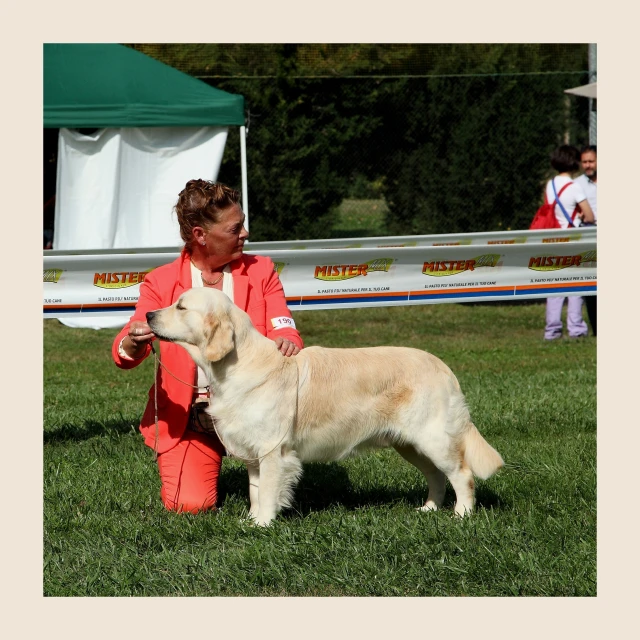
(276, 412)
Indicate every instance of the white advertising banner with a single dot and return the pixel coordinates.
(379, 272)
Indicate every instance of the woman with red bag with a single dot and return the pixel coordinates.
(572, 209)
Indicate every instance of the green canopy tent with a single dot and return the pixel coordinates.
(130, 125)
(110, 85)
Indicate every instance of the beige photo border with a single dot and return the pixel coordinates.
(27, 613)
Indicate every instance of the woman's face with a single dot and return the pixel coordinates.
(225, 238)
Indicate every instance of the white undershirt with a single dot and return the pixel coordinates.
(227, 289)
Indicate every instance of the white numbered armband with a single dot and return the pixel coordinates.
(283, 322)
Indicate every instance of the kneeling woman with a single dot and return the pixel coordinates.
(212, 227)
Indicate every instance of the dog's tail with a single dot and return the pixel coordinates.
(478, 454)
(481, 457)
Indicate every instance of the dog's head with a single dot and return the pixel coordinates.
(198, 321)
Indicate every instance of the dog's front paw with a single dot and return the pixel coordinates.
(262, 521)
(254, 520)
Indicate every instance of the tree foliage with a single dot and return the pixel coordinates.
(455, 137)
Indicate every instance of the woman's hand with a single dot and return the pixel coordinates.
(139, 336)
(286, 347)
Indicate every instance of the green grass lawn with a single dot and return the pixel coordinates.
(354, 530)
(360, 219)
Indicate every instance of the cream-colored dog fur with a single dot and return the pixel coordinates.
(276, 412)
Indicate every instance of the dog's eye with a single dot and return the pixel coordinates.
(180, 307)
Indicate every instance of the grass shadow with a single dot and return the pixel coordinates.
(321, 486)
(488, 499)
(233, 481)
(327, 485)
(89, 429)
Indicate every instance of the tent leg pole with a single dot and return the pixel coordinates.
(243, 163)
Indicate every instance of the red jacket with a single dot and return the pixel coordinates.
(256, 289)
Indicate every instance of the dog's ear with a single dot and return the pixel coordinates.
(218, 333)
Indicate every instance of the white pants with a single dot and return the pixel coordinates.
(576, 326)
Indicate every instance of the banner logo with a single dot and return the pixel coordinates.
(51, 275)
(513, 241)
(555, 263)
(454, 267)
(335, 272)
(394, 246)
(119, 280)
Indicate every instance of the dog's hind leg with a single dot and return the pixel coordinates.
(463, 484)
(435, 478)
(457, 471)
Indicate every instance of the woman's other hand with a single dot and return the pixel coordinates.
(286, 347)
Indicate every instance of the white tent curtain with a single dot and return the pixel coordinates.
(116, 188)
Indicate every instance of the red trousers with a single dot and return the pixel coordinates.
(189, 473)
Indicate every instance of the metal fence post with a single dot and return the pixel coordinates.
(593, 76)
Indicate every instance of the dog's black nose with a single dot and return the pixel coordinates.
(150, 316)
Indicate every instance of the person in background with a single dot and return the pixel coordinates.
(566, 161)
(589, 183)
(189, 453)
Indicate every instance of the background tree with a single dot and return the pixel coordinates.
(454, 137)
